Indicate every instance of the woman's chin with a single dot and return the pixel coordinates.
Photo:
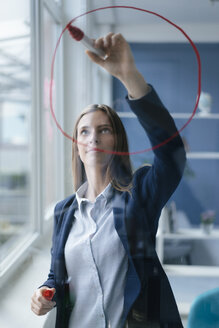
(97, 159)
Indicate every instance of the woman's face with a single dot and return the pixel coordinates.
(95, 131)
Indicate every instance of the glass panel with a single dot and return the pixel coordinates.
(15, 115)
(201, 135)
(58, 1)
(50, 130)
(133, 127)
(193, 242)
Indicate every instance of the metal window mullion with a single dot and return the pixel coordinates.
(55, 10)
(59, 139)
(37, 130)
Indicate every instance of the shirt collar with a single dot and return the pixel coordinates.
(106, 194)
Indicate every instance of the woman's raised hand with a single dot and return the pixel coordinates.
(39, 304)
(119, 62)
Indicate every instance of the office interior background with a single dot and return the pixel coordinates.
(35, 157)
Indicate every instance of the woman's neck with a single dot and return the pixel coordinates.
(97, 182)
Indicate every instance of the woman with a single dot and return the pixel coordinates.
(105, 271)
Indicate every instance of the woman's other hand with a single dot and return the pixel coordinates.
(39, 304)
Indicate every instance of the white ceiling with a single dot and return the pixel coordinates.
(179, 11)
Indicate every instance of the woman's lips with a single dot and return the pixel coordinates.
(92, 150)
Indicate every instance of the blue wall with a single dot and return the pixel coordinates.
(172, 70)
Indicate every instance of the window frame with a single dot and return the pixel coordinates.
(40, 218)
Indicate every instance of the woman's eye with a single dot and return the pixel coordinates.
(105, 130)
(84, 132)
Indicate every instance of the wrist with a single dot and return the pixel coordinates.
(135, 84)
(128, 75)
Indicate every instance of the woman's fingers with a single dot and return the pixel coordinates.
(39, 304)
(104, 42)
(41, 308)
(99, 43)
(118, 60)
(111, 43)
(95, 58)
(107, 40)
(117, 38)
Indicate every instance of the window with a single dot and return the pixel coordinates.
(168, 67)
(29, 142)
(52, 138)
(15, 118)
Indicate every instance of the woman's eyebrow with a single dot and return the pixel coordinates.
(98, 126)
(83, 127)
(102, 125)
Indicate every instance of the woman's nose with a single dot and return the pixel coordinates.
(94, 138)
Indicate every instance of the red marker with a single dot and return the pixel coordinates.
(48, 294)
(78, 35)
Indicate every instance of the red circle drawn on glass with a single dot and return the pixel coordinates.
(149, 12)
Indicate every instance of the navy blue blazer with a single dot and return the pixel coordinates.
(148, 295)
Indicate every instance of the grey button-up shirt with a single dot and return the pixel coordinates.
(96, 263)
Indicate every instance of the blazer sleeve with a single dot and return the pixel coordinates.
(63, 214)
(153, 186)
(50, 282)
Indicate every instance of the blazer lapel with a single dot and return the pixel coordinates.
(119, 219)
(67, 221)
(133, 285)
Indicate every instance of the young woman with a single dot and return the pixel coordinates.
(105, 271)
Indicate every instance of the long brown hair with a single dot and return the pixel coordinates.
(119, 168)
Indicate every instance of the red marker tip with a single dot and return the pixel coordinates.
(75, 32)
(48, 294)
